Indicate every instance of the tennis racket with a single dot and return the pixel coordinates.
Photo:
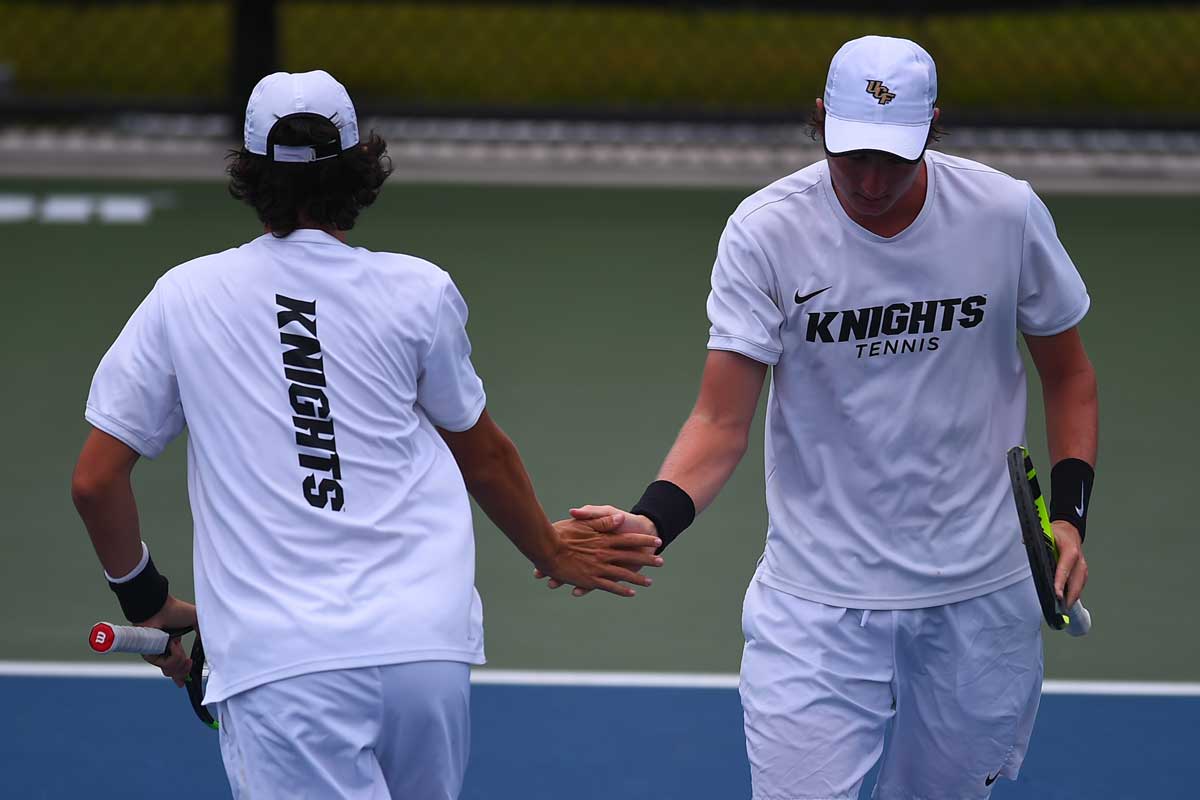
(106, 638)
(1040, 546)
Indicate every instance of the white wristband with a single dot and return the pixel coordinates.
(141, 565)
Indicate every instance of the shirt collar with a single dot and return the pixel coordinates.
(305, 236)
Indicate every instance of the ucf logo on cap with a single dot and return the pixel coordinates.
(880, 92)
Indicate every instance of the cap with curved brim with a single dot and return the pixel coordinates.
(284, 94)
(905, 141)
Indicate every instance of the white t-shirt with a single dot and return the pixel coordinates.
(897, 383)
(332, 526)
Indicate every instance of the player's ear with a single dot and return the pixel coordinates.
(937, 112)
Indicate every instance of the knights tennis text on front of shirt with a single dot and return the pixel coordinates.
(897, 319)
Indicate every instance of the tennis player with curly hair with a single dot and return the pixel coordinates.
(335, 428)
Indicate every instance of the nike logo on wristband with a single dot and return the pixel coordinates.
(1079, 508)
(990, 779)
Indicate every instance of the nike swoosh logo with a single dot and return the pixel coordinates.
(805, 298)
(1079, 508)
(990, 779)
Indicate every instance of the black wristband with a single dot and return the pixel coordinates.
(670, 509)
(1071, 492)
(142, 596)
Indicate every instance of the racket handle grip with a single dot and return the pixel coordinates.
(106, 638)
(1081, 620)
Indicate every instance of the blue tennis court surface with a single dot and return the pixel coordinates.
(122, 737)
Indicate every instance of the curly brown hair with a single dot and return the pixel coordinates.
(327, 193)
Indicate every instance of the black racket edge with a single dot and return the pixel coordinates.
(1041, 561)
(194, 685)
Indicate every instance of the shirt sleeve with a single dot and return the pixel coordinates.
(135, 394)
(743, 306)
(448, 389)
(1051, 296)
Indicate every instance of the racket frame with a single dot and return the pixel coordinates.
(1036, 534)
(194, 684)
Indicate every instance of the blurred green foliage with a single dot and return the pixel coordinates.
(1124, 60)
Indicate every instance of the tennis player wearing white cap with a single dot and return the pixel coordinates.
(885, 286)
(335, 425)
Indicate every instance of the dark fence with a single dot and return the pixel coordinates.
(1050, 63)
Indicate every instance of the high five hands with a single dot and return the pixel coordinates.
(628, 542)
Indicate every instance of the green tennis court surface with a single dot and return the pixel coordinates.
(587, 316)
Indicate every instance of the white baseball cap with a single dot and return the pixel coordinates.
(879, 96)
(284, 94)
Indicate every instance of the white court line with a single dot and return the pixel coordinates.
(73, 669)
(1138, 688)
(653, 680)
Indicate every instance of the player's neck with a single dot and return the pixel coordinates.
(306, 225)
(899, 216)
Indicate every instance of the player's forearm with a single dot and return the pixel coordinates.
(106, 504)
(704, 455)
(502, 488)
(1072, 415)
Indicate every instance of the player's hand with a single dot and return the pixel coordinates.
(175, 613)
(596, 555)
(614, 520)
(1072, 572)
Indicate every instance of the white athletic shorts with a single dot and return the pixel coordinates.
(959, 685)
(398, 731)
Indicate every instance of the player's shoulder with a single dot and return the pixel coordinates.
(203, 267)
(976, 184)
(966, 169)
(780, 200)
(402, 268)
